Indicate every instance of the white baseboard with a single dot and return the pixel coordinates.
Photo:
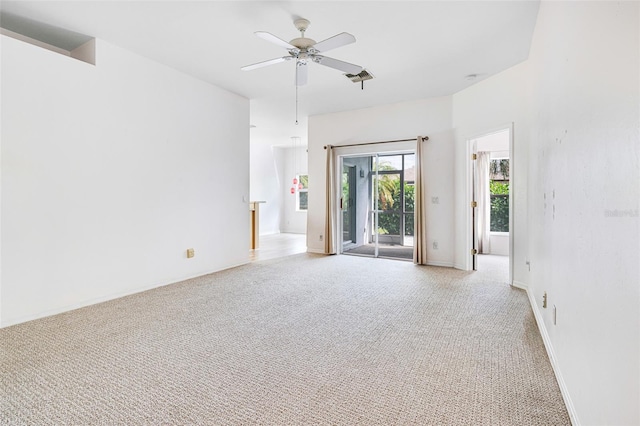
(439, 263)
(573, 416)
(520, 285)
(93, 301)
(315, 251)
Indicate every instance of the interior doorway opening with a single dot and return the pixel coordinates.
(376, 204)
(492, 200)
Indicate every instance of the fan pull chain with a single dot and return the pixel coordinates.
(296, 99)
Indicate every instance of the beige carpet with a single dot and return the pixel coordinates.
(301, 340)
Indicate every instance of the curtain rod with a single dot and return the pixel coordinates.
(424, 138)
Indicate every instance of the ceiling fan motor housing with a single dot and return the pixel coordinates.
(302, 42)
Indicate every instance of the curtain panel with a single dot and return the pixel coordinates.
(330, 246)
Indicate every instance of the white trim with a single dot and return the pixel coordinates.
(564, 391)
(439, 263)
(386, 148)
(511, 206)
(113, 296)
(520, 285)
(469, 191)
(315, 251)
(459, 266)
(374, 150)
(468, 219)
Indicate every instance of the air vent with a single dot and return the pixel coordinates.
(361, 76)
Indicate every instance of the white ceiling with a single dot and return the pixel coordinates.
(415, 49)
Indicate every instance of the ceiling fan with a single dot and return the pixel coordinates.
(304, 49)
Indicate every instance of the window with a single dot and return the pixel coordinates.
(499, 190)
(302, 198)
(395, 183)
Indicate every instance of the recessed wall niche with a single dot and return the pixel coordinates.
(59, 40)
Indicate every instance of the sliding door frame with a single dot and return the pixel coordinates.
(373, 150)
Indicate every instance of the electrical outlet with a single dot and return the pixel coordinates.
(190, 253)
(528, 263)
(555, 315)
(544, 300)
(435, 245)
(320, 237)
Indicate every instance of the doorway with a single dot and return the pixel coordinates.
(492, 200)
(377, 205)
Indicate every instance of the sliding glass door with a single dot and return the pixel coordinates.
(389, 207)
(388, 199)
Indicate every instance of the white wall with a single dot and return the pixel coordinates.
(272, 170)
(499, 242)
(266, 186)
(430, 117)
(496, 143)
(585, 165)
(490, 105)
(575, 108)
(291, 162)
(109, 173)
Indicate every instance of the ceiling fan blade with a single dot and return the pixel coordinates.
(301, 73)
(273, 39)
(265, 63)
(337, 40)
(339, 65)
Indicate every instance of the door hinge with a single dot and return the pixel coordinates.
(474, 204)
(474, 156)
(474, 251)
